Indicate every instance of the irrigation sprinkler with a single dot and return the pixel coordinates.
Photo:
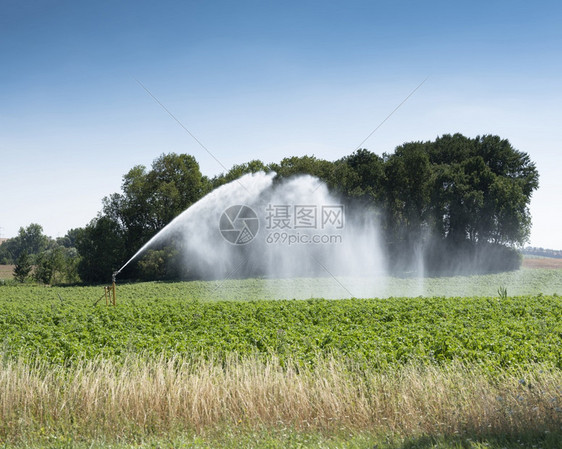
(109, 292)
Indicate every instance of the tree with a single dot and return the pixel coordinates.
(151, 199)
(69, 240)
(304, 165)
(236, 172)
(160, 264)
(483, 189)
(30, 239)
(452, 196)
(33, 241)
(7, 251)
(407, 185)
(56, 265)
(102, 249)
(23, 267)
(360, 176)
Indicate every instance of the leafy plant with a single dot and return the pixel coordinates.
(23, 267)
(502, 292)
(167, 319)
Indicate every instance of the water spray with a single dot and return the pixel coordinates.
(112, 288)
(353, 267)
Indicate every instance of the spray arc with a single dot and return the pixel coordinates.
(290, 241)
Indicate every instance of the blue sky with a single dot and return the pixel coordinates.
(263, 79)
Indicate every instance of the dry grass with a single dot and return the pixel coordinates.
(105, 399)
(6, 271)
(542, 262)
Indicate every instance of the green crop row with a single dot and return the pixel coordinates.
(62, 325)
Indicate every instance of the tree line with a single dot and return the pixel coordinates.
(457, 202)
(41, 258)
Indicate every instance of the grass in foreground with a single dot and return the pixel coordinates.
(168, 368)
(101, 400)
(285, 438)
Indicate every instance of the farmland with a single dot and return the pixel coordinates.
(215, 364)
(542, 262)
(381, 332)
(6, 271)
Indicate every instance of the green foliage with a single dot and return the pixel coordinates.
(102, 249)
(69, 240)
(237, 171)
(360, 176)
(455, 201)
(53, 261)
(161, 319)
(151, 199)
(304, 165)
(57, 265)
(502, 292)
(23, 267)
(30, 240)
(407, 187)
(483, 189)
(160, 264)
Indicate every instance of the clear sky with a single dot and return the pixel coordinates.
(266, 80)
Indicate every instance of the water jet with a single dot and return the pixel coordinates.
(260, 226)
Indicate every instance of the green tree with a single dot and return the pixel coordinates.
(455, 194)
(50, 266)
(304, 165)
(483, 189)
(151, 199)
(360, 176)
(69, 240)
(23, 267)
(7, 251)
(101, 246)
(57, 265)
(160, 264)
(408, 179)
(236, 172)
(30, 239)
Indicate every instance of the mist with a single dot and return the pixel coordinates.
(258, 226)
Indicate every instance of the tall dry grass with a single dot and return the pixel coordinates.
(140, 397)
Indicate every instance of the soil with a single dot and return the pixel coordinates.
(542, 262)
(6, 271)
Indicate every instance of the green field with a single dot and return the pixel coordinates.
(518, 283)
(222, 364)
(162, 319)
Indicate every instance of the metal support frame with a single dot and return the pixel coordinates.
(109, 293)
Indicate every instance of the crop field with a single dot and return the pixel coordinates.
(542, 262)
(380, 332)
(222, 364)
(6, 271)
